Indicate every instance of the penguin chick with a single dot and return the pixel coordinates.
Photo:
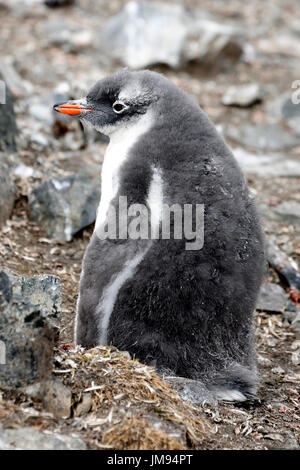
(186, 311)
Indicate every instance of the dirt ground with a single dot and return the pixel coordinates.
(150, 421)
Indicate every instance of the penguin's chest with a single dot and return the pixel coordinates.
(117, 153)
(115, 156)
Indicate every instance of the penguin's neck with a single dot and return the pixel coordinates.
(117, 153)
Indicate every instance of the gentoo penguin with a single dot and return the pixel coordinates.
(187, 310)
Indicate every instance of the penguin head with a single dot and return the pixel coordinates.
(116, 102)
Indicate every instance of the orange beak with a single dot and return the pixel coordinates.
(72, 108)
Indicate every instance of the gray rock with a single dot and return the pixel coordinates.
(30, 438)
(243, 95)
(267, 165)
(26, 332)
(295, 358)
(44, 291)
(65, 205)
(191, 390)
(56, 398)
(17, 86)
(8, 128)
(288, 211)
(285, 266)
(263, 136)
(272, 298)
(7, 193)
(263, 361)
(211, 43)
(24, 171)
(84, 406)
(145, 33)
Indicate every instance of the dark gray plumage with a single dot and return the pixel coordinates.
(187, 312)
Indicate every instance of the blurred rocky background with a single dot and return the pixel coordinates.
(241, 62)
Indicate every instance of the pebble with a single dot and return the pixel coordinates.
(243, 95)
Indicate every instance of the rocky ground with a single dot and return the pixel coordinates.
(102, 398)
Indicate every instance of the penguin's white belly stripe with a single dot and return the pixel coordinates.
(108, 299)
(155, 202)
(117, 152)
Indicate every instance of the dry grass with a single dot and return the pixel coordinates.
(114, 381)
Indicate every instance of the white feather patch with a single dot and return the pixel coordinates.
(155, 202)
(121, 141)
(230, 395)
(108, 299)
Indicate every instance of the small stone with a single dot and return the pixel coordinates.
(82, 39)
(272, 298)
(191, 390)
(243, 95)
(295, 345)
(296, 358)
(84, 406)
(278, 370)
(25, 171)
(56, 398)
(263, 361)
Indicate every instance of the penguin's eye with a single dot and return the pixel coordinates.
(119, 107)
